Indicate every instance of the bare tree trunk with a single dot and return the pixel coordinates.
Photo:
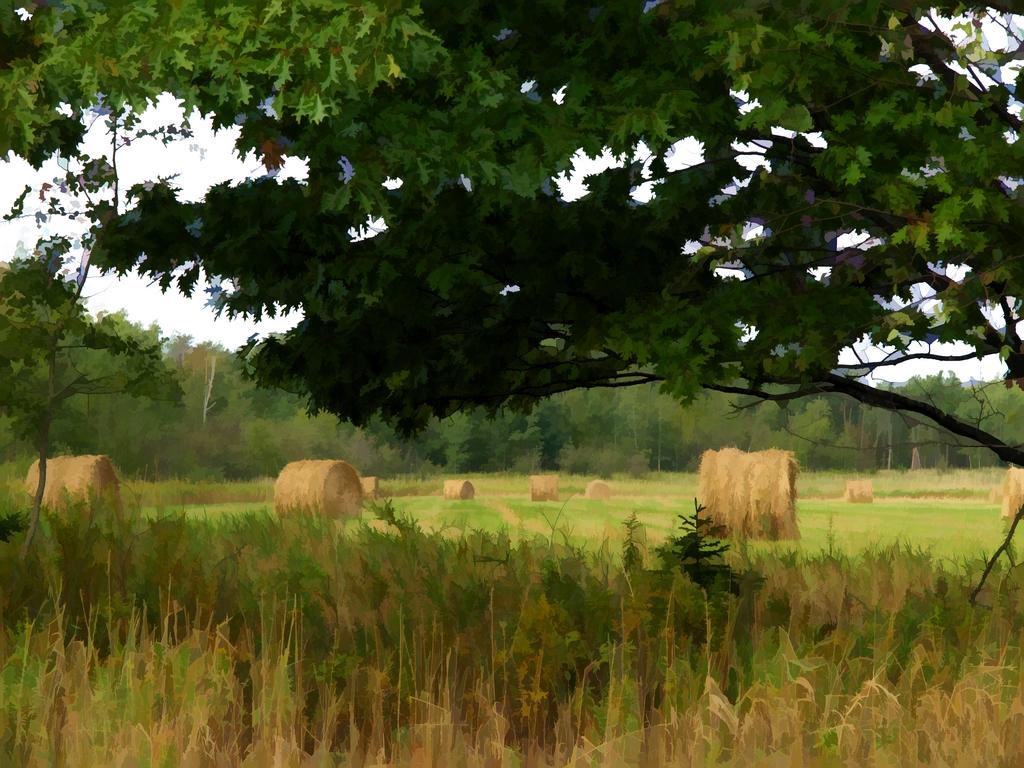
(659, 442)
(37, 502)
(211, 372)
(889, 464)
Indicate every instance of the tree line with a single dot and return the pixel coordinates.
(224, 426)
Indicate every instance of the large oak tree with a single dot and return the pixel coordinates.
(868, 117)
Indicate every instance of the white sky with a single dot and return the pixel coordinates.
(210, 158)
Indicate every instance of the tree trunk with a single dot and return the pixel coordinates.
(211, 372)
(659, 442)
(43, 445)
(889, 462)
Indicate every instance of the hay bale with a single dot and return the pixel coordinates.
(371, 487)
(598, 489)
(995, 495)
(322, 487)
(459, 490)
(752, 495)
(1013, 491)
(76, 478)
(543, 487)
(859, 492)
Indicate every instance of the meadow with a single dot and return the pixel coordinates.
(199, 630)
(948, 513)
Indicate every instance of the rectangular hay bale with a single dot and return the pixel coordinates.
(544, 487)
(1013, 491)
(859, 492)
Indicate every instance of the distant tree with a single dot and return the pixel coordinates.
(51, 349)
(48, 355)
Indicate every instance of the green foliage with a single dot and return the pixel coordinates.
(430, 94)
(385, 510)
(51, 350)
(252, 431)
(12, 522)
(697, 551)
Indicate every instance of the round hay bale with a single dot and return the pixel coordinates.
(544, 487)
(750, 494)
(859, 492)
(598, 489)
(75, 479)
(459, 490)
(1013, 491)
(371, 487)
(321, 487)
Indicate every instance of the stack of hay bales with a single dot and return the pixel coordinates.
(459, 490)
(859, 492)
(752, 495)
(76, 479)
(1013, 491)
(598, 489)
(327, 488)
(543, 487)
(371, 487)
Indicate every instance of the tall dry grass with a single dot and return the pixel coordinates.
(257, 642)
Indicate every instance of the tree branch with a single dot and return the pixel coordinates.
(892, 401)
(995, 555)
(887, 361)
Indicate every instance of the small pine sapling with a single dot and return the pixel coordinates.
(632, 555)
(698, 551)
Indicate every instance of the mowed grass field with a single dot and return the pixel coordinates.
(947, 513)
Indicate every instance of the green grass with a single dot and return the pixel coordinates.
(211, 511)
(949, 528)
